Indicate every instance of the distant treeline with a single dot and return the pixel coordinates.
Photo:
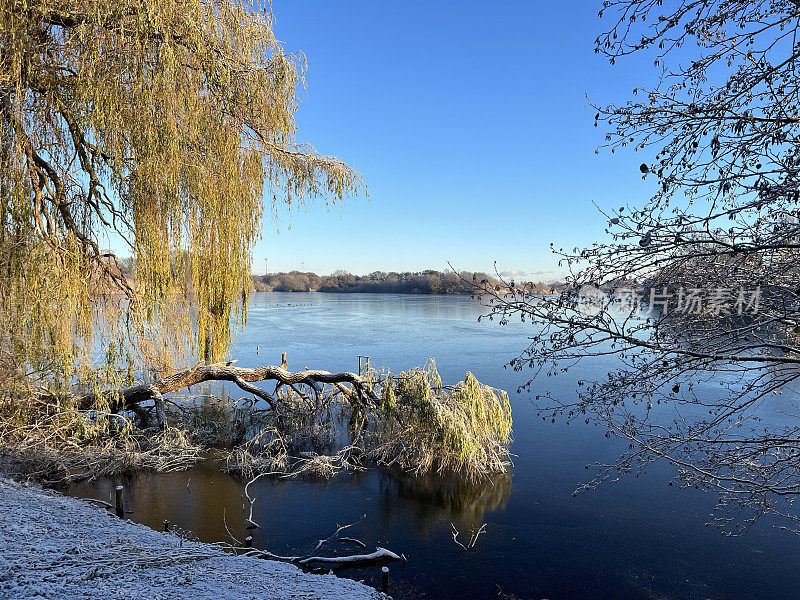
(423, 282)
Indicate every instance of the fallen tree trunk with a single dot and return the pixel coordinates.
(381, 556)
(128, 398)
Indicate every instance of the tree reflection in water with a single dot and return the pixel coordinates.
(437, 500)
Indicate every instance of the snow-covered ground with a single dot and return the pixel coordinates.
(52, 546)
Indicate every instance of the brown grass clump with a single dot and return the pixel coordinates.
(73, 445)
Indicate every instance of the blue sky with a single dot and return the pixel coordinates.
(469, 122)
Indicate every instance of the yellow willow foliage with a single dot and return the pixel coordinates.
(153, 125)
(424, 427)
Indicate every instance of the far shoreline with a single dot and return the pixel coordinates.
(429, 282)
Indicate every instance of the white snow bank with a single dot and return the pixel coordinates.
(52, 546)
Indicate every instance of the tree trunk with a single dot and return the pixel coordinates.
(130, 398)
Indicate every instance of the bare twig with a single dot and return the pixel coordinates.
(339, 529)
(225, 523)
(473, 538)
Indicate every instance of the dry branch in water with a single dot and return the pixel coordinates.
(381, 555)
(474, 534)
(313, 561)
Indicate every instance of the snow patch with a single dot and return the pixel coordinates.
(63, 548)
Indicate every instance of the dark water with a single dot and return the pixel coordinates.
(638, 538)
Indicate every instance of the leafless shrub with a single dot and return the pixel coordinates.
(723, 129)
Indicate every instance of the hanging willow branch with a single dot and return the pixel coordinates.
(156, 128)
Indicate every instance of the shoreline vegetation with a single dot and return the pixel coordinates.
(315, 424)
(381, 282)
(62, 543)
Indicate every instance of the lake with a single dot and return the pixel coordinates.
(638, 538)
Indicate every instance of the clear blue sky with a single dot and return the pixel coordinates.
(470, 125)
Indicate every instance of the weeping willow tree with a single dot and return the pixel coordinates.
(156, 128)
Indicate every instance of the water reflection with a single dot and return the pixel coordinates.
(438, 500)
(197, 499)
